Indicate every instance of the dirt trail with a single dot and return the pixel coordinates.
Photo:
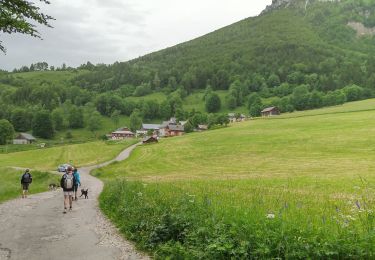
(35, 228)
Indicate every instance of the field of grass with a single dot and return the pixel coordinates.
(77, 154)
(10, 186)
(55, 77)
(301, 187)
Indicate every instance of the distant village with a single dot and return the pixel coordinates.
(152, 132)
(172, 128)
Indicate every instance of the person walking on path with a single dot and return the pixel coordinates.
(77, 182)
(67, 183)
(26, 179)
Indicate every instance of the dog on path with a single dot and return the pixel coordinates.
(85, 192)
(53, 186)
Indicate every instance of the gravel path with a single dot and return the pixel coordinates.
(35, 228)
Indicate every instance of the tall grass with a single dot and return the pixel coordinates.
(222, 220)
(10, 184)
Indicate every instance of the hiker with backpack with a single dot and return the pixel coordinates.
(67, 183)
(77, 182)
(26, 179)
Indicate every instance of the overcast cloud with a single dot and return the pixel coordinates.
(105, 31)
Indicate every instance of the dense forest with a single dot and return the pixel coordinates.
(301, 57)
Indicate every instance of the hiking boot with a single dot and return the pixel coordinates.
(64, 211)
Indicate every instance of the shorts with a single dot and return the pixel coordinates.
(68, 193)
(25, 186)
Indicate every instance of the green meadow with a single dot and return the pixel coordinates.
(43, 160)
(77, 154)
(296, 186)
(10, 185)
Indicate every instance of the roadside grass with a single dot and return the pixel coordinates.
(10, 185)
(78, 154)
(303, 187)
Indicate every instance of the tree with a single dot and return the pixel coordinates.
(43, 125)
(135, 120)
(213, 103)
(6, 131)
(115, 116)
(256, 108)
(165, 110)
(316, 99)
(353, 92)
(58, 119)
(75, 117)
(188, 127)
(301, 97)
(230, 101)
(16, 17)
(94, 122)
(253, 98)
(21, 120)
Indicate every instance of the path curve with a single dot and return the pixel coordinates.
(35, 228)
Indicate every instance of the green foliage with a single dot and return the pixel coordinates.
(353, 92)
(213, 103)
(135, 121)
(142, 90)
(42, 125)
(94, 122)
(21, 119)
(16, 17)
(75, 117)
(6, 131)
(58, 119)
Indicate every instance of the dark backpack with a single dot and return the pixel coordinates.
(26, 178)
(68, 181)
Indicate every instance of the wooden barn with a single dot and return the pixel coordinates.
(270, 111)
(150, 139)
(119, 135)
(24, 138)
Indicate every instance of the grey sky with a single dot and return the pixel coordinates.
(105, 31)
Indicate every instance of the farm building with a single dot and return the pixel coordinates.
(150, 127)
(120, 135)
(202, 128)
(175, 130)
(171, 128)
(150, 139)
(24, 138)
(270, 111)
(233, 117)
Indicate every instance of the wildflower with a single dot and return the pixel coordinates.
(139, 194)
(270, 216)
(349, 217)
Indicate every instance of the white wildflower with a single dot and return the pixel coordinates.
(270, 216)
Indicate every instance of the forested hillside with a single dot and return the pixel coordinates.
(297, 55)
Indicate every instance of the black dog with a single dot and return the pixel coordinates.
(85, 192)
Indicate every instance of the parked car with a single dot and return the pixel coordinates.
(63, 167)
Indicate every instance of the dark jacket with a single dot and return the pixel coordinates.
(24, 178)
(62, 182)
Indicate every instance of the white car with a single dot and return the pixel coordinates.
(63, 167)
